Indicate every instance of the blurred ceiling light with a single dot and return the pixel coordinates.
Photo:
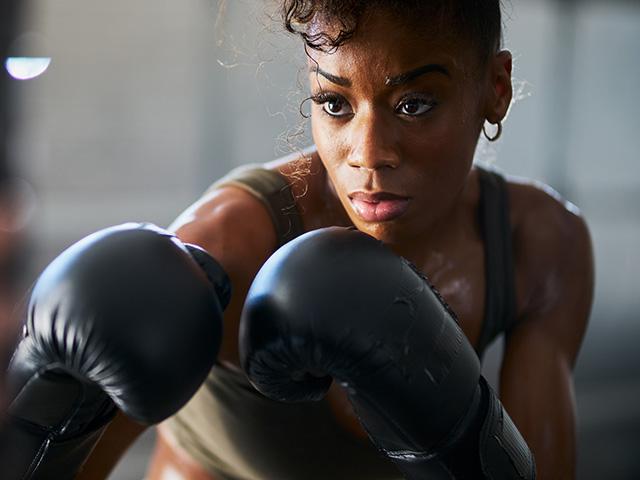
(28, 56)
(26, 68)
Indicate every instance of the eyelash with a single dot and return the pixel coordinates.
(324, 97)
(423, 99)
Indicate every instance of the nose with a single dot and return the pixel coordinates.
(373, 143)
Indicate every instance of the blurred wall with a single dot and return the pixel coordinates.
(147, 102)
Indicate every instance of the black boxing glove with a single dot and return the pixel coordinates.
(337, 304)
(128, 318)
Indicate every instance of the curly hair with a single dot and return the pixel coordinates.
(478, 21)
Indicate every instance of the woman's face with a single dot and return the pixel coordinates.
(396, 116)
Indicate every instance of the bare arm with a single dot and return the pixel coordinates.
(536, 382)
(236, 229)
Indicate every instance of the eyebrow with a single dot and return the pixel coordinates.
(343, 82)
(389, 81)
(415, 73)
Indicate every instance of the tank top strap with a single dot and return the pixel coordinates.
(500, 293)
(274, 191)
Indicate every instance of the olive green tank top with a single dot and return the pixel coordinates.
(235, 433)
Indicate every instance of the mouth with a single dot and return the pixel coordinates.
(379, 206)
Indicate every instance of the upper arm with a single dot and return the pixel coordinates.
(237, 230)
(555, 265)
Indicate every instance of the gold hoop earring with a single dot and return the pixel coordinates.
(497, 134)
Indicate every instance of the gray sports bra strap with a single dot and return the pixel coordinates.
(500, 296)
(274, 191)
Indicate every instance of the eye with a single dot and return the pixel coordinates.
(332, 104)
(415, 106)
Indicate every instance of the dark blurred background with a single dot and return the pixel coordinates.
(16, 198)
(144, 103)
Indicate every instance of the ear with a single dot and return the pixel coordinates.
(500, 88)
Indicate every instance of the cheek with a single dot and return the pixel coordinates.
(329, 142)
(439, 157)
(331, 146)
(317, 133)
(450, 139)
(438, 147)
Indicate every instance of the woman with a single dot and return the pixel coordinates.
(401, 91)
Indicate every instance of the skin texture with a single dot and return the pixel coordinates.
(380, 144)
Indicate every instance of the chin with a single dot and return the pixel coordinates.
(390, 233)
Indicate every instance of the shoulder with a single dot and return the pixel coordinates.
(235, 225)
(553, 255)
(542, 219)
(232, 225)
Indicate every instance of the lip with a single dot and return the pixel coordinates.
(379, 206)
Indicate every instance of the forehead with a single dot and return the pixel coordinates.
(385, 45)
